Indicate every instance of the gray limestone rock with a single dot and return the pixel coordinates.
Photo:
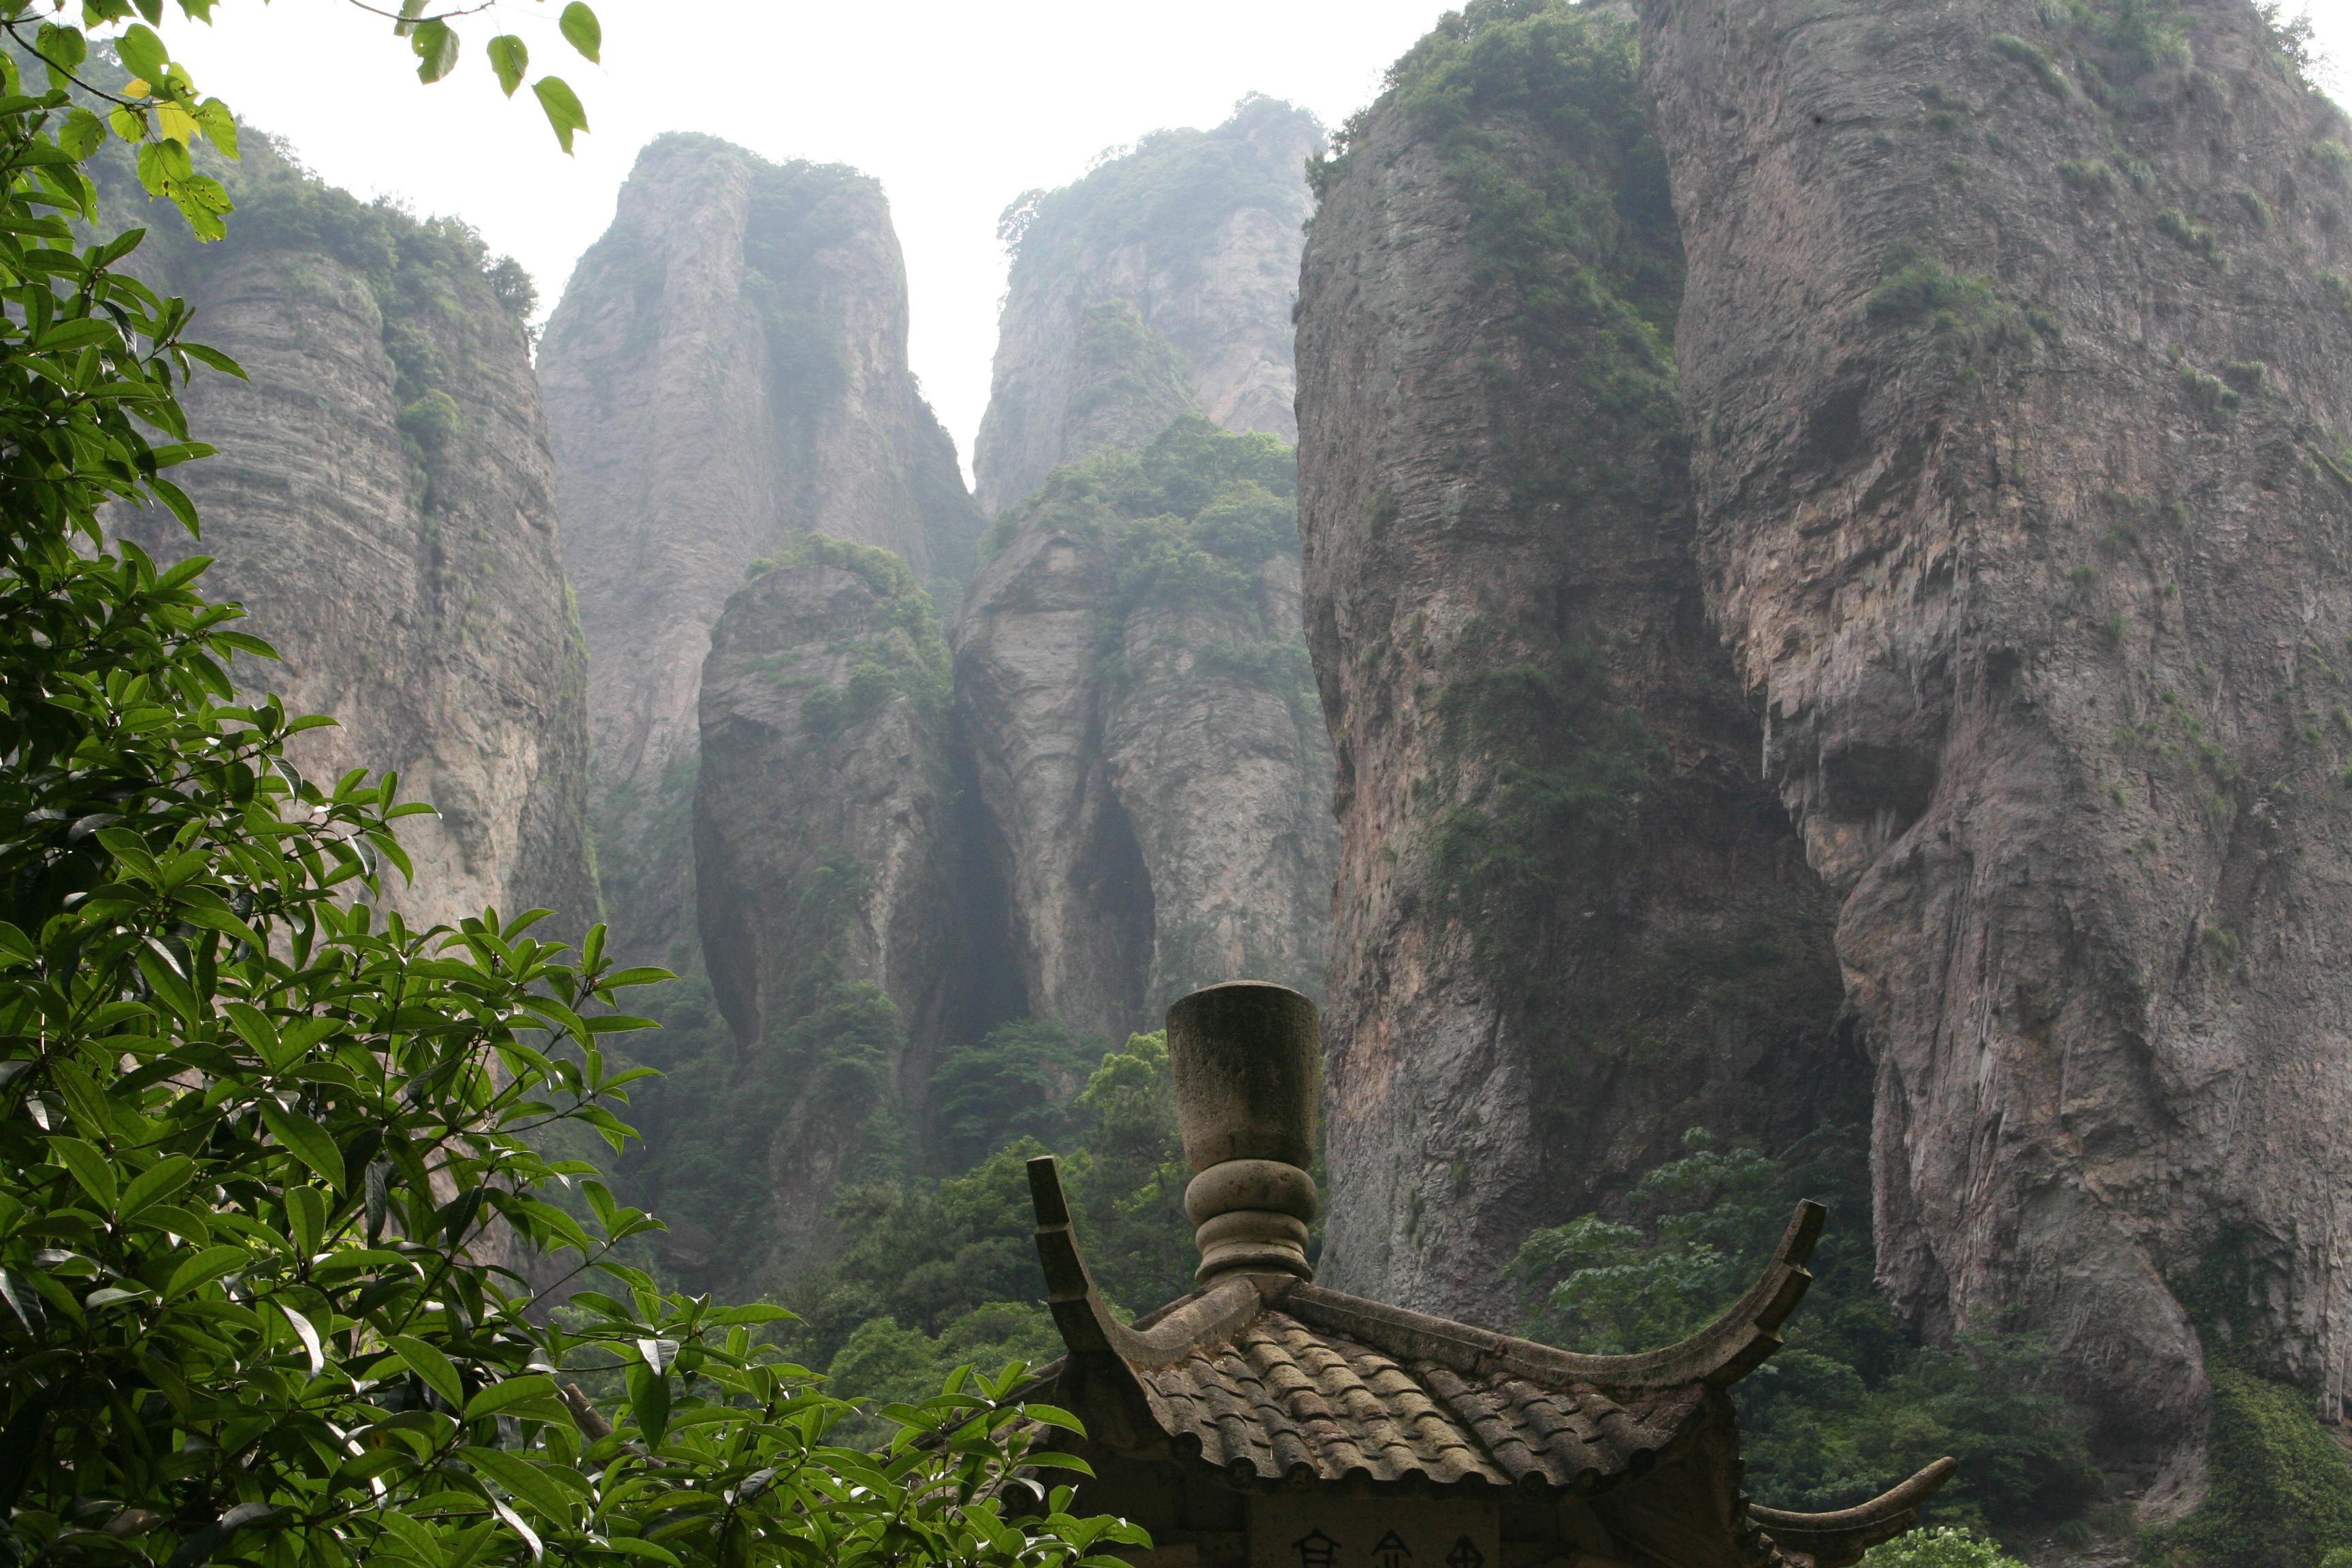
(728, 368)
(1571, 922)
(383, 504)
(825, 843)
(1159, 285)
(1152, 773)
(2018, 358)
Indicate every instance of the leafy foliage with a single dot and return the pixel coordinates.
(1560, 768)
(1940, 1546)
(1021, 1081)
(1192, 519)
(2279, 1491)
(1964, 312)
(2279, 1487)
(271, 1189)
(1852, 1404)
(932, 1273)
(909, 657)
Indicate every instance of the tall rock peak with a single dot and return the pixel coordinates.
(382, 503)
(1159, 285)
(832, 920)
(1571, 923)
(728, 368)
(1153, 772)
(2021, 502)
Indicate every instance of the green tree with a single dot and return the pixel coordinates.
(1853, 1404)
(272, 1195)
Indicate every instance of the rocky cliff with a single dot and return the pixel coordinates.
(383, 504)
(1572, 921)
(825, 844)
(2019, 354)
(727, 368)
(1159, 285)
(1153, 776)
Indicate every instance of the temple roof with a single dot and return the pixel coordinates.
(1286, 1395)
(1274, 1380)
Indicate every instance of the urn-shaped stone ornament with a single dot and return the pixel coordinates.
(1247, 1060)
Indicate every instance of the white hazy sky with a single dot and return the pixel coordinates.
(958, 106)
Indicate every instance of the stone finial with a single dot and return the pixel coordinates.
(1247, 1059)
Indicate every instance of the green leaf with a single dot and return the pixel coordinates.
(510, 57)
(649, 1402)
(204, 1268)
(157, 1182)
(309, 1335)
(87, 1167)
(143, 53)
(82, 135)
(581, 30)
(564, 115)
(217, 361)
(438, 1373)
(162, 167)
(530, 1536)
(510, 1390)
(435, 44)
(309, 1141)
(524, 1480)
(62, 49)
(306, 1217)
(219, 126)
(1054, 1416)
(631, 1546)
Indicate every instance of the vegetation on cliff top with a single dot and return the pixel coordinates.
(448, 309)
(903, 656)
(1536, 109)
(1192, 519)
(1170, 194)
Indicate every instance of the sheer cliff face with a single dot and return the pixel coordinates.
(727, 368)
(1159, 285)
(1151, 773)
(383, 504)
(826, 849)
(1572, 923)
(2021, 362)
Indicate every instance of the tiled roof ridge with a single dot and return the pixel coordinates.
(1723, 1353)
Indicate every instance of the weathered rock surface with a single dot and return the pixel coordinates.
(727, 368)
(826, 848)
(2020, 363)
(383, 504)
(1159, 285)
(1571, 921)
(1153, 778)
